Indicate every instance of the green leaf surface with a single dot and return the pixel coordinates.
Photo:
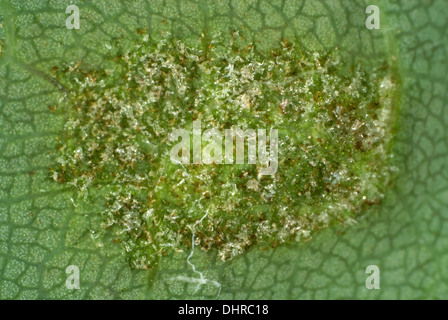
(42, 230)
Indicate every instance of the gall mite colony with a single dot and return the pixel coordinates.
(333, 131)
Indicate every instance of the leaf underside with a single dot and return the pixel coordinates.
(42, 232)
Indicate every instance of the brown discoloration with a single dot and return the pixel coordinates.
(118, 136)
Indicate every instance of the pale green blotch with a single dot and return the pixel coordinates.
(335, 133)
